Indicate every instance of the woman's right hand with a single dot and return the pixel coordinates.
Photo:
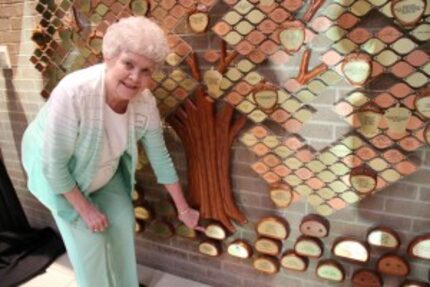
(94, 218)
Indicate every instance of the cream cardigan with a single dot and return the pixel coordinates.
(61, 147)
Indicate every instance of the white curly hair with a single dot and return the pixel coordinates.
(136, 34)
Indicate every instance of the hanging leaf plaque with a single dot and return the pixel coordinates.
(363, 179)
(357, 68)
(408, 12)
(292, 36)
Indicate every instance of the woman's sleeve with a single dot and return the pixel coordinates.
(61, 131)
(155, 148)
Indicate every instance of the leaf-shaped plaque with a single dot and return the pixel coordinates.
(363, 179)
(162, 229)
(292, 36)
(408, 12)
(397, 119)
(420, 247)
(292, 261)
(369, 117)
(357, 68)
(314, 225)
(330, 270)
(422, 102)
(240, 248)
(143, 212)
(265, 96)
(366, 278)
(351, 249)
(215, 231)
(268, 246)
(273, 227)
(281, 195)
(210, 248)
(198, 21)
(383, 237)
(184, 231)
(266, 264)
(393, 264)
(212, 79)
(309, 247)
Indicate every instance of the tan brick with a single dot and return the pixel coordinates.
(419, 177)
(374, 202)
(395, 220)
(419, 225)
(408, 208)
(424, 194)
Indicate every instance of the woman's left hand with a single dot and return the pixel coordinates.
(190, 217)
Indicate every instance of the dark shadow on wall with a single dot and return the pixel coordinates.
(18, 120)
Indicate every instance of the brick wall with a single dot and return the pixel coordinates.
(404, 206)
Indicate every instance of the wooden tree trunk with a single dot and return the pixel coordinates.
(208, 136)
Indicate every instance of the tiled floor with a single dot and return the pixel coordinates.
(60, 274)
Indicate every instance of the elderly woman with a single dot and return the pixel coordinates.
(80, 153)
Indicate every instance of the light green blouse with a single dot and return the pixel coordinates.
(61, 148)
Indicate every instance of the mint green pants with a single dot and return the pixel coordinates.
(104, 259)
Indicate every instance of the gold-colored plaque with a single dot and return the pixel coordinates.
(184, 231)
(210, 248)
(363, 179)
(273, 227)
(393, 264)
(357, 68)
(422, 102)
(308, 247)
(420, 247)
(408, 12)
(215, 231)
(240, 248)
(266, 264)
(383, 237)
(330, 270)
(369, 118)
(135, 195)
(397, 119)
(314, 225)
(162, 228)
(281, 195)
(268, 246)
(366, 278)
(265, 96)
(414, 283)
(212, 79)
(292, 261)
(139, 226)
(165, 208)
(198, 21)
(352, 250)
(143, 213)
(292, 36)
